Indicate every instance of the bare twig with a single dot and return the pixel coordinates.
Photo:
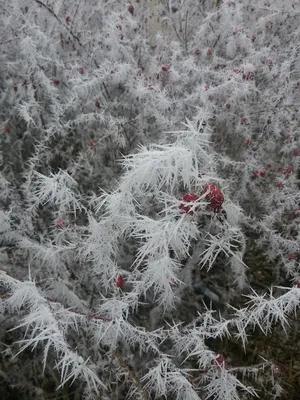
(59, 20)
(75, 13)
(9, 40)
(185, 30)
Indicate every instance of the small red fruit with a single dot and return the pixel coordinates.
(7, 129)
(227, 106)
(55, 82)
(297, 212)
(165, 68)
(293, 257)
(262, 173)
(276, 369)
(214, 196)
(172, 282)
(93, 143)
(297, 284)
(60, 223)
(209, 52)
(256, 174)
(197, 52)
(189, 198)
(243, 120)
(219, 361)
(253, 38)
(296, 152)
(131, 9)
(280, 185)
(68, 19)
(120, 281)
(81, 70)
(15, 87)
(206, 87)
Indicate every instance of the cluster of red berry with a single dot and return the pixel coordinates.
(214, 197)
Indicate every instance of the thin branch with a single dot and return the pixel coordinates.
(9, 40)
(59, 20)
(75, 13)
(185, 30)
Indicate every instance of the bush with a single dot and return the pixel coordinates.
(149, 202)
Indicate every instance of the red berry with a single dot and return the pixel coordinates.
(206, 87)
(289, 139)
(68, 19)
(93, 143)
(150, 87)
(7, 129)
(214, 196)
(120, 281)
(296, 152)
(60, 223)
(243, 120)
(131, 9)
(269, 63)
(227, 106)
(256, 174)
(248, 142)
(219, 361)
(297, 284)
(189, 198)
(253, 38)
(263, 173)
(172, 282)
(121, 36)
(280, 185)
(15, 87)
(276, 369)
(81, 70)
(209, 52)
(165, 68)
(293, 257)
(55, 82)
(197, 52)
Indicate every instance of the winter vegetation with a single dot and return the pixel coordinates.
(149, 199)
